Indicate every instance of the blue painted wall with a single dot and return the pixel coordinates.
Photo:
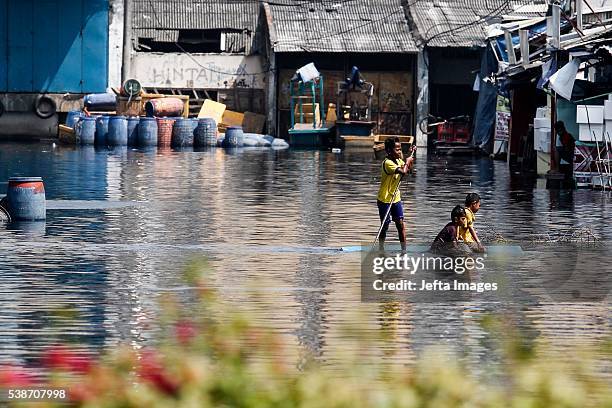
(53, 45)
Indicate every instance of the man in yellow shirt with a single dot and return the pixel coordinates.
(468, 234)
(392, 170)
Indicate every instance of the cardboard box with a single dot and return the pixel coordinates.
(212, 109)
(543, 112)
(253, 123)
(541, 123)
(541, 140)
(231, 118)
(588, 133)
(593, 114)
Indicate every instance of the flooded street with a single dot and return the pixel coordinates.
(121, 225)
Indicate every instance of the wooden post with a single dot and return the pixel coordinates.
(553, 135)
(524, 38)
(510, 47)
(556, 25)
(579, 14)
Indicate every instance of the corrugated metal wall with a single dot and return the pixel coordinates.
(53, 45)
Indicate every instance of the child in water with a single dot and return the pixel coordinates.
(391, 172)
(449, 238)
(468, 234)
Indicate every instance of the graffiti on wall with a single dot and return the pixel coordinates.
(198, 71)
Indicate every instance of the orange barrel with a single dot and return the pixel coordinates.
(164, 131)
(26, 198)
(164, 107)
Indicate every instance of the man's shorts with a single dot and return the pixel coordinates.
(396, 213)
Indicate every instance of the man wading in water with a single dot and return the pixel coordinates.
(392, 170)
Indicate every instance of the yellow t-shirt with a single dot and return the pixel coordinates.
(389, 180)
(464, 233)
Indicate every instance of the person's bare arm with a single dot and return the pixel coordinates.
(475, 236)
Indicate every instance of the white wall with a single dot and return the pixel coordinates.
(210, 71)
(115, 42)
(597, 5)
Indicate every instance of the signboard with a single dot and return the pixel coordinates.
(204, 71)
(502, 119)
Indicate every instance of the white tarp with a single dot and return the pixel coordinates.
(562, 81)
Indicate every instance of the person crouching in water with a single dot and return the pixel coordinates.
(448, 238)
(468, 234)
(392, 170)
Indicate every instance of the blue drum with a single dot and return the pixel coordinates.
(182, 133)
(26, 199)
(234, 137)
(118, 131)
(205, 134)
(132, 130)
(102, 130)
(86, 130)
(147, 132)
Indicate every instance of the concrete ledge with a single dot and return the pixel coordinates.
(27, 126)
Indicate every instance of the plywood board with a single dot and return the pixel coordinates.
(253, 122)
(231, 118)
(212, 109)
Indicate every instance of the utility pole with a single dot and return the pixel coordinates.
(127, 41)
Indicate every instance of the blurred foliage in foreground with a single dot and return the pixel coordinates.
(210, 357)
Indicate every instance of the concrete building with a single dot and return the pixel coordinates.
(335, 36)
(53, 52)
(207, 49)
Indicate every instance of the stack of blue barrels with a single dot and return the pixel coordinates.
(205, 134)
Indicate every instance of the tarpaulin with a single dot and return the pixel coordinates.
(484, 116)
(562, 81)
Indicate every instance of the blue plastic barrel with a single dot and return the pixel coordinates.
(205, 133)
(182, 133)
(147, 132)
(86, 130)
(117, 131)
(26, 198)
(100, 101)
(72, 118)
(233, 137)
(132, 130)
(102, 130)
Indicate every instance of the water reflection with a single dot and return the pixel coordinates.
(122, 222)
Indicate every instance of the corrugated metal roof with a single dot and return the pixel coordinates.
(160, 20)
(373, 26)
(195, 14)
(460, 23)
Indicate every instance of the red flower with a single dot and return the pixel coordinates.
(81, 393)
(61, 358)
(15, 377)
(152, 371)
(185, 331)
